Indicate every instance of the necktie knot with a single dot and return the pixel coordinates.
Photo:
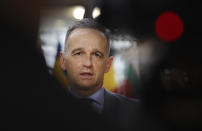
(86, 101)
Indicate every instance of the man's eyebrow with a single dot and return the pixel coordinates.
(77, 49)
(96, 50)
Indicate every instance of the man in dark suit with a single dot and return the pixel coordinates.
(86, 59)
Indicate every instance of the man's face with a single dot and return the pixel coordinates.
(86, 58)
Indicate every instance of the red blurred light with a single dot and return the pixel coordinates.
(169, 26)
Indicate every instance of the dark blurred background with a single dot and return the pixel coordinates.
(171, 82)
(165, 75)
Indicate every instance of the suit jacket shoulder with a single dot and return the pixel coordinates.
(120, 110)
(110, 96)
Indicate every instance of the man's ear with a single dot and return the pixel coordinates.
(109, 63)
(62, 60)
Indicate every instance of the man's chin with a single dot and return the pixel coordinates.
(86, 87)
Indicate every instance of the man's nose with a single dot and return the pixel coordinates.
(88, 61)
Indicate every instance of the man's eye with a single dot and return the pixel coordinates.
(97, 54)
(77, 53)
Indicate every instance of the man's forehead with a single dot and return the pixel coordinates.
(79, 37)
(85, 47)
(86, 34)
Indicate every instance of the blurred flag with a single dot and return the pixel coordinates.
(131, 84)
(57, 70)
(109, 81)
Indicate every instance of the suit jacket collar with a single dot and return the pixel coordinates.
(111, 103)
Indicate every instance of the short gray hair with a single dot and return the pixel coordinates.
(88, 23)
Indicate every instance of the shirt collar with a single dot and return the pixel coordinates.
(98, 96)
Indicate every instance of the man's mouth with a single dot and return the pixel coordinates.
(86, 75)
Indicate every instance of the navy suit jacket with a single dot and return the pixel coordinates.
(119, 110)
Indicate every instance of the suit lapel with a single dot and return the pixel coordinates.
(111, 104)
